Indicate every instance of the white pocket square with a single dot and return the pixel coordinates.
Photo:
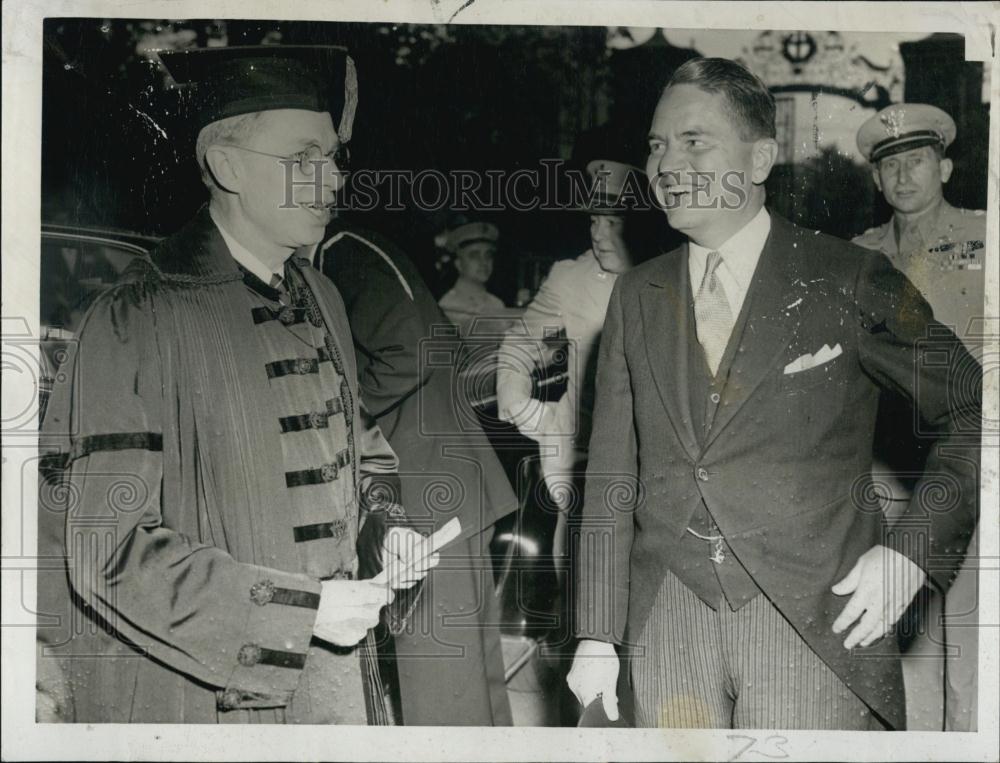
(805, 362)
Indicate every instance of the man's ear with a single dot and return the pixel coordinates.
(225, 168)
(946, 168)
(765, 154)
(876, 177)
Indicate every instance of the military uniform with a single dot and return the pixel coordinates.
(944, 256)
(467, 300)
(943, 253)
(572, 302)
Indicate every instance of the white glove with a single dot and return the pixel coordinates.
(595, 674)
(533, 418)
(348, 608)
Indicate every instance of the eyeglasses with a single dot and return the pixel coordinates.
(311, 157)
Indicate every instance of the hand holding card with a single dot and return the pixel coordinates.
(409, 556)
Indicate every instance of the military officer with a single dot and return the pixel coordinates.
(572, 301)
(473, 247)
(942, 250)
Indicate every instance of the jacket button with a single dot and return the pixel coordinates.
(230, 699)
(702, 474)
(287, 315)
(249, 655)
(317, 420)
(262, 592)
(715, 397)
(329, 472)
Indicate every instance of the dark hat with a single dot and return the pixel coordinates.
(230, 81)
(904, 126)
(608, 181)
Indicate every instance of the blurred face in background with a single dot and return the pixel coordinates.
(912, 181)
(607, 237)
(474, 262)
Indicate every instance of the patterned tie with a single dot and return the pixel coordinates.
(713, 314)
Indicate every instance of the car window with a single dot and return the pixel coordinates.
(73, 273)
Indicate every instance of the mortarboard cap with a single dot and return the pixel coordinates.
(230, 81)
(904, 126)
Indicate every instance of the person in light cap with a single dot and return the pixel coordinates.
(571, 304)
(218, 381)
(473, 247)
(941, 249)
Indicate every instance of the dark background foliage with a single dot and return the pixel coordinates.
(115, 152)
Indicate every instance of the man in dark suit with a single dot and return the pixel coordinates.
(726, 540)
(448, 654)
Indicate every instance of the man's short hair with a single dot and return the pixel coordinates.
(232, 130)
(752, 103)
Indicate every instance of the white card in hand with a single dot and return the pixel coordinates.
(451, 530)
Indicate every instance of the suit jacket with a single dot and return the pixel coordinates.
(449, 673)
(784, 469)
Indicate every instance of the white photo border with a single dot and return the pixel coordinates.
(23, 739)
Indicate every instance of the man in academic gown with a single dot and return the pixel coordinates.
(223, 484)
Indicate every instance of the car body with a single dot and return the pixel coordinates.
(77, 263)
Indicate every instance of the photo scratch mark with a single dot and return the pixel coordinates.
(461, 8)
(150, 121)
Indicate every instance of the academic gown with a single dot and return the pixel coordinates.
(214, 458)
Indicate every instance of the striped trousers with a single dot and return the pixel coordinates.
(697, 667)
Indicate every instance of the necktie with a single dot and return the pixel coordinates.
(713, 314)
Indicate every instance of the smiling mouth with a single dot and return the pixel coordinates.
(322, 212)
(675, 195)
(317, 206)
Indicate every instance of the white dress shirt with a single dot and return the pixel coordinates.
(739, 260)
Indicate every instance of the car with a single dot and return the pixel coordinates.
(77, 264)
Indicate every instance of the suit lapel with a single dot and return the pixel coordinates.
(665, 324)
(771, 323)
